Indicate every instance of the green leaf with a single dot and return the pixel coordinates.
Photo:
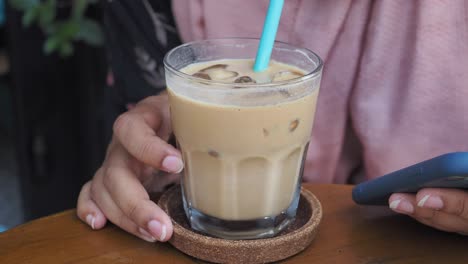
(51, 45)
(30, 16)
(23, 5)
(50, 29)
(68, 29)
(66, 49)
(79, 7)
(48, 13)
(90, 32)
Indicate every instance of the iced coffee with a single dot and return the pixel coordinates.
(243, 136)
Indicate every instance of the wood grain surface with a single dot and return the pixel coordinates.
(348, 234)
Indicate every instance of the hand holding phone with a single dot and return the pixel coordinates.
(446, 171)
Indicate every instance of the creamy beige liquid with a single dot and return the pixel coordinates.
(242, 163)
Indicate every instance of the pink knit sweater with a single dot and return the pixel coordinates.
(395, 84)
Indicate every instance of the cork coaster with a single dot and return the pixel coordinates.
(295, 238)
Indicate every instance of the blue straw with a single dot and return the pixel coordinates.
(267, 40)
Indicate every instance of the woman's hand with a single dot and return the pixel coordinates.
(444, 209)
(119, 190)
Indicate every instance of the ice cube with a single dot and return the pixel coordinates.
(219, 72)
(213, 153)
(202, 75)
(293, 125)
(286, 75)
(245, 79)
(215, 67)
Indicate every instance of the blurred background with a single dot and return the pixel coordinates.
(52, 80)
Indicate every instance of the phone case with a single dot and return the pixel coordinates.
(446, 171)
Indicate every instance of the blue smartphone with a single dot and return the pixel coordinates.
(446, 171)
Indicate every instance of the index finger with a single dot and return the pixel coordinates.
(140, 140)
(130, 196)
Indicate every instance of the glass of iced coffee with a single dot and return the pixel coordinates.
(243, 134)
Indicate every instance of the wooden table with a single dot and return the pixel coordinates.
(348, 234)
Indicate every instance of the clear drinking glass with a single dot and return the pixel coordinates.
(243, 145)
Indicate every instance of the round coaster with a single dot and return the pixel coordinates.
(295, 238)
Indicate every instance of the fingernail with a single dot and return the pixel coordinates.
(163, 233)
(90, 219)
(402, 206)
(173, 164)
(157, 229)
(146, 236)
(423, 201)
(431, 202)
(394, 204)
